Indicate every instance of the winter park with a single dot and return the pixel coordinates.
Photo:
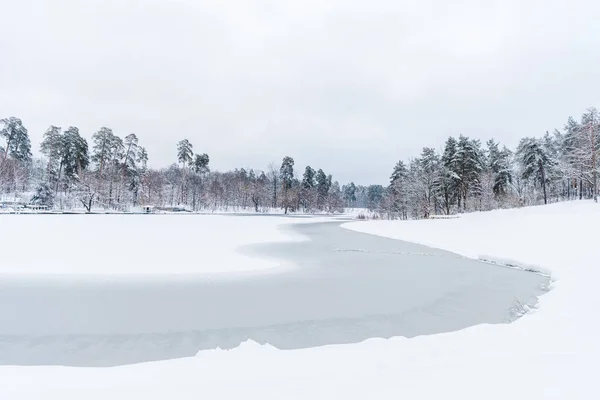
(299, 200)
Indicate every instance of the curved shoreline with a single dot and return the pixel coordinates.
(330, 297)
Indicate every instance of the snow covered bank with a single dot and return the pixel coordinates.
(550, 353)
(135, 244)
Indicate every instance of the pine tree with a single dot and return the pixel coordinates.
(499, 165)
(185, 156)
(398, 190)
(307, 188)
(323, 183)
(349, 194)
(374, 197)
(308, 179)
(468, 164)
(200, 164)
(286, 174)
(536, 162)
(104, 145)
(449, 184)
(52, 148)
(67, 155)
(428, 178)
(18, 145)
(589, 148)
(43, 195)
(75, 153)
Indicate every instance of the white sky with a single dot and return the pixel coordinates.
(347, 86)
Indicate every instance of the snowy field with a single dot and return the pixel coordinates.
(145, 245)
(551, 353)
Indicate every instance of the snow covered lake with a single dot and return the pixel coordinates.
(164, 287)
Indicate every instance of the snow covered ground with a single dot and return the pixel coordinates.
(550, 353)
(145, 245)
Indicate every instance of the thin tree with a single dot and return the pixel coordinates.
(286, 173)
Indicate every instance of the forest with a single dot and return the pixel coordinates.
(111, 173)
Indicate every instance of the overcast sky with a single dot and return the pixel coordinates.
(347, 86)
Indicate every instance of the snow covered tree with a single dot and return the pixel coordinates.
(105, 144)
(307, 191)
(428, 167)
(43, 195)
(184, 152)
(286, 174)
(200, 164)
(536, 162)
(18, 145)
(52, 147)
(349, 191)
(398, 191)
(323, 183)
(335, 201)
(499, 165)
(273, 176)
(185, 156)
(468, 164)
(588, 149)
(67, 155)
(75, 153)
(374, 197)
(449, 184)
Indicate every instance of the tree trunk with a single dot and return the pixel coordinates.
(594, 171)
(58, 178)
(9, 140)
(543, 183)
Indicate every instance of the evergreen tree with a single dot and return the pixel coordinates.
(18, 145)
(589, 148)
(349, 194)
(200, 164)
(468, 166)
(286, 174)
(52, 147)
(307, 188)
(75, 153)
(67, 155)
(398, 190)
(185, 156)
(428, 167)
(323, 183)
(499, 165)
(536, 162)
(184, 152)
(43, 195)
(308, 179)
(105, 144)
(374, 196)
(449, 185)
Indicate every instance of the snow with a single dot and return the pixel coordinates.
(136, 244)
(550, 353)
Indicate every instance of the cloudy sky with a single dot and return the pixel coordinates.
(347, 86)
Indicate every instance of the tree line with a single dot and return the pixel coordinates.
(469, 176)
(464, 175)
(112, 173)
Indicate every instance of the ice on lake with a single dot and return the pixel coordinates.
(344, 287)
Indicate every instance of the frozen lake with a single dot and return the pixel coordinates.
(345, 287)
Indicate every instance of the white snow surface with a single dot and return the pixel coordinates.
(550, 353)
(80, 245)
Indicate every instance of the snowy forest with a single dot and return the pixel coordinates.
(112, 173)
